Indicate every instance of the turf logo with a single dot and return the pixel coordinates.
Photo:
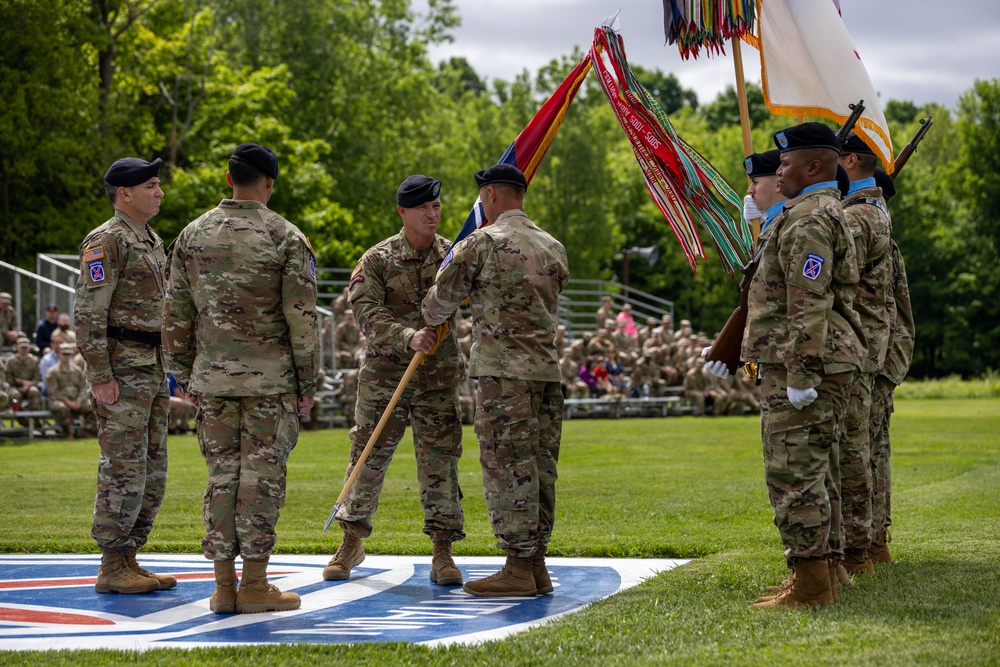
(48, 601)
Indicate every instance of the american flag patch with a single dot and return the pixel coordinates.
(90, 254)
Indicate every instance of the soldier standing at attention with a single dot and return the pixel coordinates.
(119, 304)
(868, 219)
(512, 272)
(385, 293)
(240, 336)
(806, 338)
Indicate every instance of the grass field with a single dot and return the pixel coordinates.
(679, 487)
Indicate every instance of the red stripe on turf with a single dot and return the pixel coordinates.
(55, 617)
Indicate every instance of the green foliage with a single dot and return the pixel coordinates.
(953, 386)
(687, 487)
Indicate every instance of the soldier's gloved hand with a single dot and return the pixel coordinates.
(716, 368)
(800, 398)
(750, 211)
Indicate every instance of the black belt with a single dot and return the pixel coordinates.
(147, 337)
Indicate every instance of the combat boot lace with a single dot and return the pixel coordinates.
(514, 580)
(115, 576)
(256, 595)
(166, 581)
(443, 569)
(350, 554)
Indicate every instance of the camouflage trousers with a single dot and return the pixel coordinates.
(519, 428)
(856, 485)
(132, 473)
(246, 441)
(801, 461)
(882, 408)
(29, 400)
(436, 419)
(63, 414)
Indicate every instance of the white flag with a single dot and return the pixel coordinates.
(809, 67)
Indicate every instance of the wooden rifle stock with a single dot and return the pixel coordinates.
(729, 343)
(904, 155)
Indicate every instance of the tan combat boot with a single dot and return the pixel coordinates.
(443, 569)
(514, 580)
(256, 595)
(223, 600)
(856, 561)
(810, 587)
(879, 552)
(166, 581)
(350, 554)
(543, 583)
(115, 576)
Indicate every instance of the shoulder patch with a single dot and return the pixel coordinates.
(96, 271)
(312, 265)
(310, 245)
(356, 276)
(447, 259)
(813, 266)
(90, 254)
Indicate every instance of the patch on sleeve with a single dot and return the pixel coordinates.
(312, 265)
(90, 254)
(447, 259)
(96, 271)
(356, 276)
(813, 266)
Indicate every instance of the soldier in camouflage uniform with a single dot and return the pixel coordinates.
(806, 337)
(4, 396)
(385, 292)
(119, 303)
(24, 376)
(8, 321)
(67, 390)
(512, 273)
(899, 352)
(867, 216)
(241, 338)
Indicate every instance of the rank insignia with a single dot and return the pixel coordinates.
(813, 266)
(96, 271)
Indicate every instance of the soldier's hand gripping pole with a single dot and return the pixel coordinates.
(417, 359)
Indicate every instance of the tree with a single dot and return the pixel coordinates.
(724, 109)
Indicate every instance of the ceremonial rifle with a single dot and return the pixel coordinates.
(904, 155)
(729, 343)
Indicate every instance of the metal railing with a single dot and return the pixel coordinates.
(27, 290)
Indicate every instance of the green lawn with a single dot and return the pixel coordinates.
(677, 487)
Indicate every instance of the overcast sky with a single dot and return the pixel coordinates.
(918, 50)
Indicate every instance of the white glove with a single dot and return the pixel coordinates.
(800, 398)
(716, 368)
(705, 351)
(750, 211)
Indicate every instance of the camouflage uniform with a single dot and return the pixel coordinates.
(867, 217)
(512, 273)
(20, 369)
(240, 333)
(897, 363)
(386, 290)
(121, 285)
(8, 324)
(4, 396)
(803, 331)
(65, 382)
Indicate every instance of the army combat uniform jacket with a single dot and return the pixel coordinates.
(801, 310)
(121, 285)
(868, 219)
(514, 272)
(386, 289)
(240, 317)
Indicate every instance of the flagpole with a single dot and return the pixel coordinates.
(741, 98)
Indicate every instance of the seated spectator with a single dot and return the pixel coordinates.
(8, 320)
(571, 385)
(66, 327)
(627, 322)
(24, 377)
(588, 378)
(50, 358)
(43, 332)
(68, 396)
(616, 374)
(606, 311)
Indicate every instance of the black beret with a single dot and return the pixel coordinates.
(261, 157)
(131, 171)
(806, 135)
(843, 181)
(501, 173)
(854, 144)
(416, 190)
(884, 181)
(763, 164)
